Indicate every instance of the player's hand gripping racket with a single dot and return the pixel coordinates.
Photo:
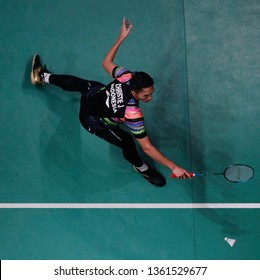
(235, 173)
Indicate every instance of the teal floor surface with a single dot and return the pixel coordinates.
(204, 58)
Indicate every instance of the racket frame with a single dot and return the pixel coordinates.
(224, 173)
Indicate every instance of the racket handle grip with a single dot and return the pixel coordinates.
(173, 176)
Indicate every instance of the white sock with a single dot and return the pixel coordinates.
(46, 77)
(143, 168)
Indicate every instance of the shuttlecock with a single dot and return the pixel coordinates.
(230, 241)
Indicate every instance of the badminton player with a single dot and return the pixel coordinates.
(103, 108)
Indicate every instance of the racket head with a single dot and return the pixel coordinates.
(238, 173)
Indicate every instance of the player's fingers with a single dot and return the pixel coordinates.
(187, 175)
(182, 176)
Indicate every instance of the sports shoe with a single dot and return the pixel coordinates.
(37, 76)
(152, 176)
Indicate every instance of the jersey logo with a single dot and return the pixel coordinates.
(107, 101)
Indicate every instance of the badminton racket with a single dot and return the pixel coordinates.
(235, 173)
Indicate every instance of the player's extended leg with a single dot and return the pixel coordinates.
(40, 76)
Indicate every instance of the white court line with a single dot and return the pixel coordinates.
(128, 205)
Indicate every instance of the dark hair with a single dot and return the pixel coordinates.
(140, 80)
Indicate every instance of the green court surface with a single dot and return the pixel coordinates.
(204, 58)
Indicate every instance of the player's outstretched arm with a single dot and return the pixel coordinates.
(108, 62)
(156, 155)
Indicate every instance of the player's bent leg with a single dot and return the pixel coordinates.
(122, 139)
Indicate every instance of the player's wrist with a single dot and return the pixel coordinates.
(173, 167)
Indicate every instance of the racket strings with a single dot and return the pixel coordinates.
(239, 173)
